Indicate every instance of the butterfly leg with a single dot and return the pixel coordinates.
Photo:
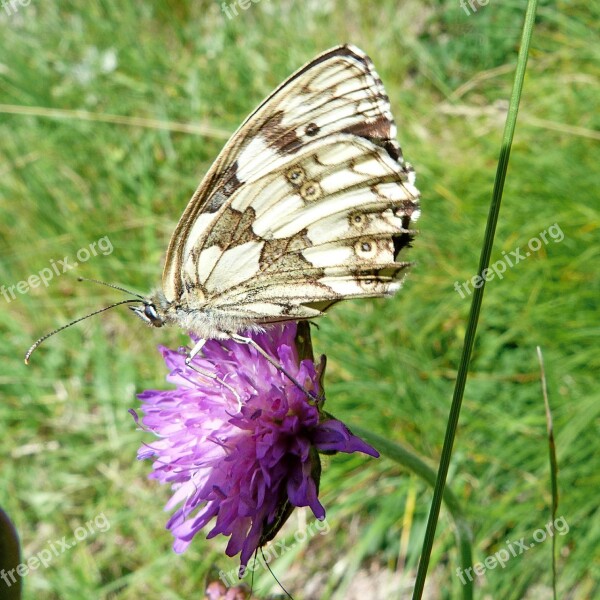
(188, 363)
(195, 351)
(246, 340)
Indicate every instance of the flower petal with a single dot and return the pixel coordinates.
(333, 435)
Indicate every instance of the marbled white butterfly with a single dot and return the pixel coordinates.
(309, 202)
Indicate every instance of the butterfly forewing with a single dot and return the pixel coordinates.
(309, 202)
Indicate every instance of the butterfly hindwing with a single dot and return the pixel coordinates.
(309, 202)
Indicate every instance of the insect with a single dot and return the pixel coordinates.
(310, 202)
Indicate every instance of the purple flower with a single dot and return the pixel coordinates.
(245, 458)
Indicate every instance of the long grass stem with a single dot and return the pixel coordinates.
(471, 330)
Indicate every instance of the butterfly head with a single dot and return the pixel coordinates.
(148, 313)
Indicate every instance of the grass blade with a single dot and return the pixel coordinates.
(471, 330)
(553, 462)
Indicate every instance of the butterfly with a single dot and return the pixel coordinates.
(310, 202)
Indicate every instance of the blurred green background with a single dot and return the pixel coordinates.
(150, 91)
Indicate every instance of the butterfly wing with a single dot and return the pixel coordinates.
(308, 203)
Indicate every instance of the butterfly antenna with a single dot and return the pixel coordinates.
(275, 578)
(96, 312)
(111, 285)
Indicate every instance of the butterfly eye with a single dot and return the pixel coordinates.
(152, 315)
(148, 314)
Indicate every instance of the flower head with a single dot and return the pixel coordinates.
(241, 448)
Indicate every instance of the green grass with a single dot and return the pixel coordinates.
(68, 444)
